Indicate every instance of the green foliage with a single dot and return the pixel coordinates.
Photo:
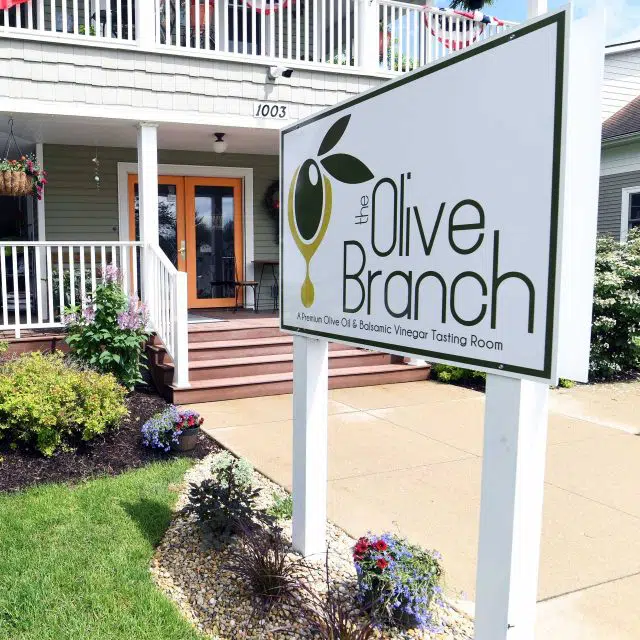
(110, 332)
(450, 374)
(225, 506)
(615, 331)
(565, 383)
(47, 403)
(240, 469)
(282, 507)
(74, 560)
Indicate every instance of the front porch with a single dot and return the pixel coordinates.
(182, 227)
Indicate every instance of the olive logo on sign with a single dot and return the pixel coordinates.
(310, 196)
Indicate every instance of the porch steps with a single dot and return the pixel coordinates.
(252, 358)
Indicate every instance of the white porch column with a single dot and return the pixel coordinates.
(148, 193)
(310, 406)
(369, 35)
(42, 235)
(145, 11)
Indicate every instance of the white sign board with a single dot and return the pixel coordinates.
(423, 217)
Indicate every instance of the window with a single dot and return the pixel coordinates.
(630, 217)
(634, 210)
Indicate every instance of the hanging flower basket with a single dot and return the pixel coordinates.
(15, 183)
(21, 177)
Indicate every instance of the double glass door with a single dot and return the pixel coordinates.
(200, 231)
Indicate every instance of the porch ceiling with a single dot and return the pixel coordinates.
(55, 129)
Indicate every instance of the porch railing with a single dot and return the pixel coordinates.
(322, 31)
(38, 280)
(168, 309)
(412, 35)
(370, 35)
(99, 19)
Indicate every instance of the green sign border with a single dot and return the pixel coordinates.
(560, 20)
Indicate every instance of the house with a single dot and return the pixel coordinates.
(619, 205)
(157, 121)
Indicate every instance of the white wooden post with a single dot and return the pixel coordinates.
(515, 437)
(515, 441)
(148, 194)
(42, 236)
(369, 35)
(145, 19)
(181, 328)
(310, 406)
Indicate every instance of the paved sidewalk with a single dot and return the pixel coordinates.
(408, 457)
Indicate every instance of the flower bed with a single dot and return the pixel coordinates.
(217, 598)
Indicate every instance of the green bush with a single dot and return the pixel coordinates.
(449, 374)
(282, 506)
(240, 469)
(110, 332)
(615, 331)
(49, 404)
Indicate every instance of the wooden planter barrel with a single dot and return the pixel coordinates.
(15, 183)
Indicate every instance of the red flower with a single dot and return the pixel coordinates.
(380, 545)
(382, 564)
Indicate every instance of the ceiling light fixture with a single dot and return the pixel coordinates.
(219, 144)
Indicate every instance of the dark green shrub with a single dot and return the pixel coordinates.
(224, 506)
(615, 332)
(450, 374)
(47, 403)
(110, 332)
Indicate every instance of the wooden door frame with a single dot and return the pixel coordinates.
(179, 182)
(243, 173)
(190, 183)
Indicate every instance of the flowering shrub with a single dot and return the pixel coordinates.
(397, 581)
(164, 428)
(615, 331)
(110, 331)
(239, 468)
(48, 403)
(27, 164)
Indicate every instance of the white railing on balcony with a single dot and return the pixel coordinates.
(413, 35)
(168, 309)
(322, 31)
(373, 35)
(39, 280)
(99, 19)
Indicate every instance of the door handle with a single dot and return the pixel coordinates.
(183, 249)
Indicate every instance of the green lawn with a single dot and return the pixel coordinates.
(74, 560)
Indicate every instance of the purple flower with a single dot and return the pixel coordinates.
(111, 273)
(135, 317)
(69, 319)
(89, 314)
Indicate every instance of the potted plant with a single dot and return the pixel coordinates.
(22, 177)
(172, 428)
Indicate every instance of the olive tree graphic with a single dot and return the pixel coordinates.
(310, 197)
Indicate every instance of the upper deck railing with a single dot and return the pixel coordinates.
(364, 35)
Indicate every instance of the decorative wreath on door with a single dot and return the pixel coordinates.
(272, 205)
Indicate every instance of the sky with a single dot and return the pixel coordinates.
(623, 16)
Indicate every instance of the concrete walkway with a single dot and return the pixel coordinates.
(407, 458)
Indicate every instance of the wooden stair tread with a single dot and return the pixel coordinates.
(248, 342)
(286, 377)
(279, 357)
(234, 325)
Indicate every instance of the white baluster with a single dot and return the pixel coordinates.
(134, 267)
(41, 22)
(196, 20)
(289, 30)
(16, 291)
(108, 30)
(385, 37)
(61, 281)
(207, 23)
(124, 269)
(72, 277)
(339, 34)
(27, 283)
(187, 25)
(30, 16)
(3, 275)
(87, 18)
(130, 20)
(103, 261)
(272, 32)
(83, 288)
(348, 31)
(93, 271)
(75, 16)
(51, 312)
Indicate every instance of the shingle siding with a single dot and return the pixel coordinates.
(77, 210)
(610, 201)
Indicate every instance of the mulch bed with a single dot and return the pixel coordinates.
(110, 454)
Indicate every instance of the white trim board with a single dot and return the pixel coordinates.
(245, 173)
(624, 211)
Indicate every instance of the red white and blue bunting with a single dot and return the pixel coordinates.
(457, 29)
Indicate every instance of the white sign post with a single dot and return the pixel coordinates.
(433, 217)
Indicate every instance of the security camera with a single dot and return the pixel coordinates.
(279, 72)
